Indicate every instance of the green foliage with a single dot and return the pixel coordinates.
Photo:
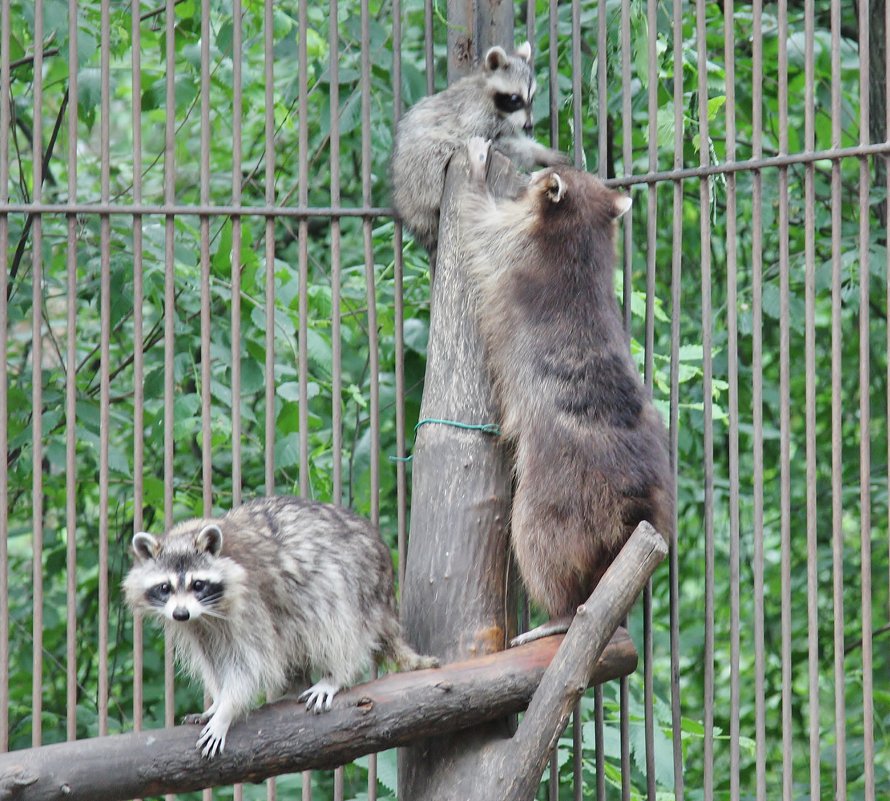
(323, 467)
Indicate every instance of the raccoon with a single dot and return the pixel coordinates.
(495, 102)
(591, 449)
(259, 599)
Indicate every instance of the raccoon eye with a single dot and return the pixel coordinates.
(164, 588)
(508, 103)
(198, 585)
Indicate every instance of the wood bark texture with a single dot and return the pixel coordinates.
(283, 738)
(455, 597)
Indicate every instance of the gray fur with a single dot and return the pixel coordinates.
(591, 450)
(436, 127)
(305, 588)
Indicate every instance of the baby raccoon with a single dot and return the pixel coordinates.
(495, 102)
(258, 599)
(591, 450)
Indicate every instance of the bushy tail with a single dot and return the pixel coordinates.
(404, 656)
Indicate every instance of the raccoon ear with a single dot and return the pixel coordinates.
(210, 539)
(555, 187)
(621, 205)
(495, 58)
(524, 51)
(145, 546)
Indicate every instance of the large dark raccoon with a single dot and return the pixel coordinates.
(591, 450)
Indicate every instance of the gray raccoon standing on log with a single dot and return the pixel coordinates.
(259, 599)
(495, 102)
(591, 449)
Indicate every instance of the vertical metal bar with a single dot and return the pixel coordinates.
(578, 150)
(37, 389)
(553, 84)
(105, 360)
(676, 301)
(707, 396)
(169, 315)
(398, 289)
(602, 110)
(837, 439)
(303, 248)
(733, 380)
(428, 46)
(204, 225)
(810, 391)
(577, 92)
(651, 248)
(336, 377)
(4, 405)
(237, 97)
(784, 413)
(373, 353)
(602, 121)
(303, 260)
(865, 408)
(269, 66)
(530, 32)
(627, 257)
(71, 393)
(138, 353)
(757, 400)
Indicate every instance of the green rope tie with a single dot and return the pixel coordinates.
(486, 428)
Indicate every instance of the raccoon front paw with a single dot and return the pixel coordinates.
(477, 153)
(320, 696)
(213, 738)
(196, 718)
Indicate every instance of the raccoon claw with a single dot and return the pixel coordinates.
(320, 696)
(195, 718)
(213, 740)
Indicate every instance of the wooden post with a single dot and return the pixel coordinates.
(456, 596)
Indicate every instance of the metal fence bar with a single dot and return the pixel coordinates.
(336, 381)
(648, 375)
(784, 415)
(238, 108)
(732, 325)
(303, 239)
(577, 93)
(71, 394)
(269, 376)
(707, 398)
(837, 452)
(552, 84)
(810, 391)
(371, 295)
(676, 276)
(37, 389)
(399, 311)
(865, 408)
(428, 46)
(138, 346)
(104, 363)
(5, 98)
(757, 402)
(169, 321)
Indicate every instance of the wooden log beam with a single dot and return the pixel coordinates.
(398, 709)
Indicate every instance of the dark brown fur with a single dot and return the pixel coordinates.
(591, 449)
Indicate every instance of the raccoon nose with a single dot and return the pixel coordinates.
(180, 613)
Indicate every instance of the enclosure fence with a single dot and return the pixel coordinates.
(204, 297)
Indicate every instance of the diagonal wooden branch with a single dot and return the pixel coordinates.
(513, 769)
(282, 738)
